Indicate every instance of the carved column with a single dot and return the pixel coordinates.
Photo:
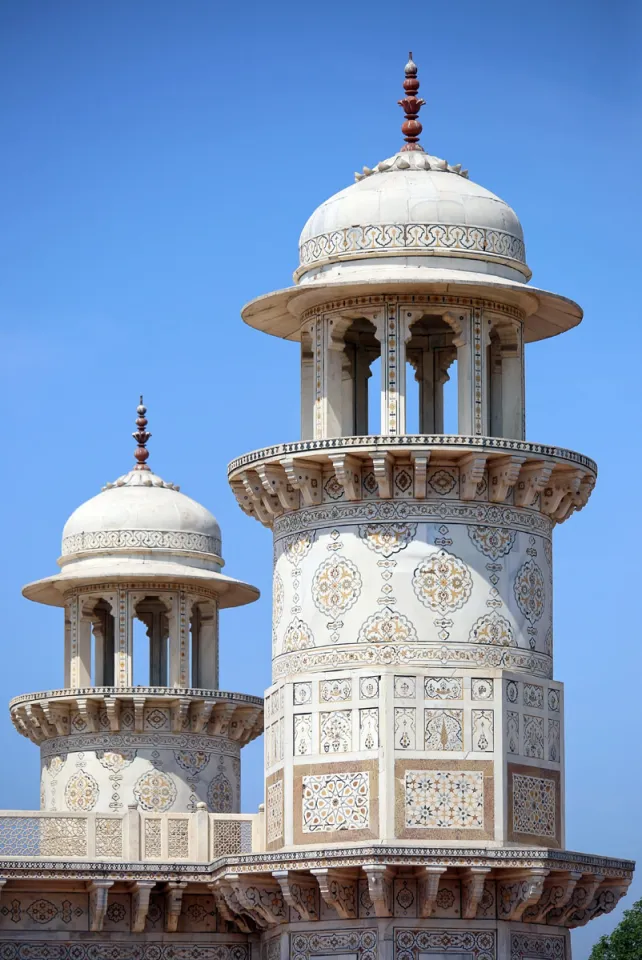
(327, 348)
(393, 330)
(471, 342)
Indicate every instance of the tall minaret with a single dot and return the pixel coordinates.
(140, 568)
(413, 726)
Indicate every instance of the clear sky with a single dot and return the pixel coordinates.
(159, 160)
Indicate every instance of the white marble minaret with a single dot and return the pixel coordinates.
(141, 565)
(414, 731)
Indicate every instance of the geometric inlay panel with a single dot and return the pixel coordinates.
(336, 801)
(444, 799)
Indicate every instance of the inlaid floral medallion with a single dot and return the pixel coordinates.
(81, 792)
(493, 542)
(530, 591)
(336, 586)
(115, 760)
(192, 762)
(297, 547)
(220, 796)
(155, 791)
(493, 628)
(387, 626)
(298, 636)
(387, 538)
(442, 582)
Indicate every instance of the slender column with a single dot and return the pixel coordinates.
(495, 403)
(347, 392)
(307, 387)
(98, 625)
(81, 664)
(427, 390)
(471, 342)
(361, 376)
(328, 361)
(179, 642)
(393, 330)
(123, 656)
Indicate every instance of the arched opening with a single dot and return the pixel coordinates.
(494, 384)
(204, 645)
(359, 383)
(431, 353)
(103, 647)
(150, 634)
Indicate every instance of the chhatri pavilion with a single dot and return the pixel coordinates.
(414, 731)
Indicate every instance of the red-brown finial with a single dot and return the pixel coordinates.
(141, 436)
(411, 105)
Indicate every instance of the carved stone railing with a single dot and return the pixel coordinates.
(198, 837)
(280, 479)
(44, 716)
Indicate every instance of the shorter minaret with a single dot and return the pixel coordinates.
(140, 566)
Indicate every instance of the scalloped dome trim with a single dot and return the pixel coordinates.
(413, 160)
(141, 478)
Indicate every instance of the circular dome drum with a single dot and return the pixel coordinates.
(413, 205)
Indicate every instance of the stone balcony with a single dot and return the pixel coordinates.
(61, 713)
(277, 480)
(222, 856)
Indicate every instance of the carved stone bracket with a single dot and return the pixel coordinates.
(300, 892)
(141, 890)
(112, 706)
(606, 898)
(471, 473)
(305, 476)
(200, 715)
(339, 890)
(514, 896)
(173, 903)
(556, 894)
(428, 888)
(420, 462)
(276, 483)
(348, 472)
(179, 711)
(98, 896)
(563, 486)
(533, 477)
(229, 907)
(380, 888)
(580, 900)
(261, 898)
(502, 476)
(472, 888)
(382, 466)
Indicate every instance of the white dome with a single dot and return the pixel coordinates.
(413, 206)
(142, 512)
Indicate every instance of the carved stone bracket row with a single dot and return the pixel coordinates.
(141, 891)
(45, 718)
(268, 489)
(535, 895)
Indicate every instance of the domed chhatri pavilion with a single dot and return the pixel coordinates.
(414, 749)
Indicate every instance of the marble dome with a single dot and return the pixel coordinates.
(141, 528)
(140, 511)
(418, 207)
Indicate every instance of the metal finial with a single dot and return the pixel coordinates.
(411, 105)
(141, 436)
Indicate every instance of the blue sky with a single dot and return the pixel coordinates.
(159, 161)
